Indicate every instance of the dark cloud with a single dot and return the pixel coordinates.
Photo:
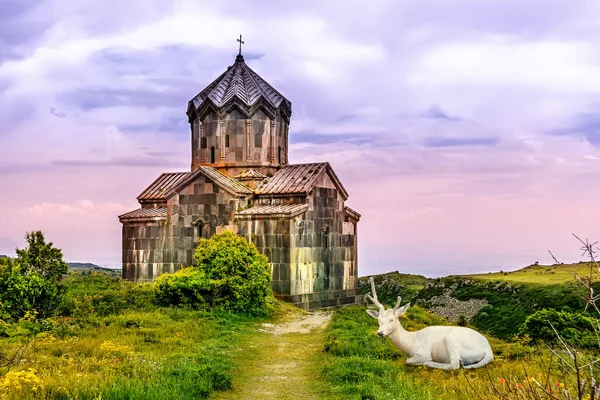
(57, 113)
(436, 112)
(321, 138)
(459, 142)
(19, 28)
(586, 125)
(119, 162)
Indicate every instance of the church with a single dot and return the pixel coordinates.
(240, 180)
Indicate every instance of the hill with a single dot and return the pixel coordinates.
(497, 303)
(85, 268)
(542, 274)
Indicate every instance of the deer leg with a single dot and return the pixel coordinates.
(454, 364)
(454, 359)
(416, 360)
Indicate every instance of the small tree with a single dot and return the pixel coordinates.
(230, 274)
(42, 257)
(30, 284)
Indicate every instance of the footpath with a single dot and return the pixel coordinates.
(280, 361)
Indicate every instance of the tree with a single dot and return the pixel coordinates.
(230, 274)
(42, 257)
(30, 284)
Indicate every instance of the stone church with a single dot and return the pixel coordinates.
(240, 180)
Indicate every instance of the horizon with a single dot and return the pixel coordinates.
(467, 134)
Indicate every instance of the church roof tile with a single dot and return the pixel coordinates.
(299, 179)
(145, 214)
(161, 186)
(239, 82)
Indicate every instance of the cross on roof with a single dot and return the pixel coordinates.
(241, 43)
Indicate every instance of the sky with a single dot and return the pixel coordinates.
(466, 132)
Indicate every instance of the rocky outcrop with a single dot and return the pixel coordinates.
(451, 308)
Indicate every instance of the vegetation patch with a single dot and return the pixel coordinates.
(230, 274)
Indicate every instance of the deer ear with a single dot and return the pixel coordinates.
(399, 312)
(373, 313)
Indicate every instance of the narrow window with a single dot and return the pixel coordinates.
(204, 143)
(200, 229)
(325, 231)
(279, 154)
(212, 154)
(226, 140)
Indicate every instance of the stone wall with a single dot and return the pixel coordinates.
(146, 250)
(238, 141)
(201, 209)
(271, 236)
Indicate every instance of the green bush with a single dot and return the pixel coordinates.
(576, 329)
(230, 274)
(30, 284)
(102, 294)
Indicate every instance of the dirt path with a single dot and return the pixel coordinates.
(280, 360)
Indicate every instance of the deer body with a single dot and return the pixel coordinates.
(444, 347)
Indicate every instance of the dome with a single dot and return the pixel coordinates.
(242, 88)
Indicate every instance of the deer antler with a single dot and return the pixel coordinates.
(397, 303)
(373, 298)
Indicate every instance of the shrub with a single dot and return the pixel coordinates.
(29, 285)
(230, 274)
(574, 328)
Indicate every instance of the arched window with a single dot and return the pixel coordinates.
(279, 154)
(200, 228)
(212, 154)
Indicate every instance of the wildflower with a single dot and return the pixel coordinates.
(502, 380)
(560, 384)
(116, 359)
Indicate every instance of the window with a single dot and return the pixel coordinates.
(279, 155)
(204, 143)
(212, 155)
(226, 140)
(325, 231)
(200, 229)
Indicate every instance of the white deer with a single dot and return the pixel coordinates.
(444, 347)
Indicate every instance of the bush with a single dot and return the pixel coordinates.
(576, 329)
(30, 284)
(102, 294)
(230, 274)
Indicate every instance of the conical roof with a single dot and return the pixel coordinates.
(239, 86)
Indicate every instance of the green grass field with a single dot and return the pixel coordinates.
(543, 274)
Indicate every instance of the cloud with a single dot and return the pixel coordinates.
(121, 162)
(476, 109)
(585, 125)
(452, 142)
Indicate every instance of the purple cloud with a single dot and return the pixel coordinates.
(480, 111)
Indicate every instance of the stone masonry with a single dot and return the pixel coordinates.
(240, 180)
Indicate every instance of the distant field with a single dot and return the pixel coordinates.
(543, 274)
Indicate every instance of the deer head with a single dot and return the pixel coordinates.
(388, 319)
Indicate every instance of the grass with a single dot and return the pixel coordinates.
(541, 274)
(361, 365)
(123, 348)
(284, 366)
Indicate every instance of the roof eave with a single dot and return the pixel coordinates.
(141, 219)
